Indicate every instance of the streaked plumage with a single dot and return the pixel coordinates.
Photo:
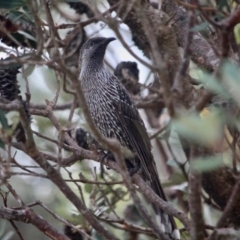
(117, 117)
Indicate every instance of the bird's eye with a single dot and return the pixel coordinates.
(91, 44)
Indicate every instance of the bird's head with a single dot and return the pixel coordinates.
(94, 50)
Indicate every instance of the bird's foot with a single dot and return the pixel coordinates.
(132, 165)
(132, 168)
(108, 156)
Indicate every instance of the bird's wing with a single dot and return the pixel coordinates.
(134, 129)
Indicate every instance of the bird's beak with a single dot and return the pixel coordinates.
(103, 44)
(108, 40)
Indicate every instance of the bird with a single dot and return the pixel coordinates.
(116, 116)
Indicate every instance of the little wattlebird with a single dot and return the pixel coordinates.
(116, 116)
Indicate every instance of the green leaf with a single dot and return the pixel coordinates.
(28, 70)
(97, 236)
(2, 228)
(207, 164)
(237, 33)
(200, 130)
(3, 120)
(12, 4)
(175, 179)
(88, 187)
(2, 145)
(212, 83)
(23, 17)
(24, 38)
(172, 163)
(223, 5)
(8, 235)
(200, 27)
(25, 35)
(231, 73)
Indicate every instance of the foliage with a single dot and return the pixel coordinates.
(189, 102)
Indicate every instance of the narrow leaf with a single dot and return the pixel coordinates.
(2, 145)
(12, 4)
(207, 164)
(3, 120)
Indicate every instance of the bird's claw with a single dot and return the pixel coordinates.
(107, 155)
(132, 168)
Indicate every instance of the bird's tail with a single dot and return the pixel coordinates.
(165, 221)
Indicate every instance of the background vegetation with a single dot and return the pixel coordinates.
(179, 61)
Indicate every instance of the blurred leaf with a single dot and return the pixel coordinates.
(114, 198)
(21, 27)
(11, 4)
(78, 219)
(185, 234)
(21, 17)
(2, 145)
(3, 120)
(48, 73)
(237, 33)
(28, 70)
(163, 135)
(14, 119)
(8, 235)
(2, 227)
(183, 187)
(200, 27)
(23, 38)
(172, 163)
(175, 179)
(207, 164)
(26, 35)
(3, 235)
(97, 236)
(223, 4)
(212, 83)
(88, 187)
(231, 75)
(205, 131)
